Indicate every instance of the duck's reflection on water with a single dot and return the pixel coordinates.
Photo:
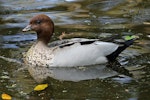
(67, 80)
(40, 74)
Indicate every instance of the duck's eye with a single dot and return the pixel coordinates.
(38, 22)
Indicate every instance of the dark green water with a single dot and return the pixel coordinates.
(84, 18)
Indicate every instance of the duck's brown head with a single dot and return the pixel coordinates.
(43, 26)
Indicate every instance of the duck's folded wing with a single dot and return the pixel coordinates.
(69, 41)
(83, 53)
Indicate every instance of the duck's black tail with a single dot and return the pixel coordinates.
(115, 54)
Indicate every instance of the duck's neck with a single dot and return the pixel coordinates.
(44, 37)
(41, 43)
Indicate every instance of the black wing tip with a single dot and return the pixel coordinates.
(129, 42)
(112, 57)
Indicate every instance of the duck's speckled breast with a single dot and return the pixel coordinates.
(39, 55)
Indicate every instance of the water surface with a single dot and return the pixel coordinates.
(100, 19)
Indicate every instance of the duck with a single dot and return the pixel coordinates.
(68, 52)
